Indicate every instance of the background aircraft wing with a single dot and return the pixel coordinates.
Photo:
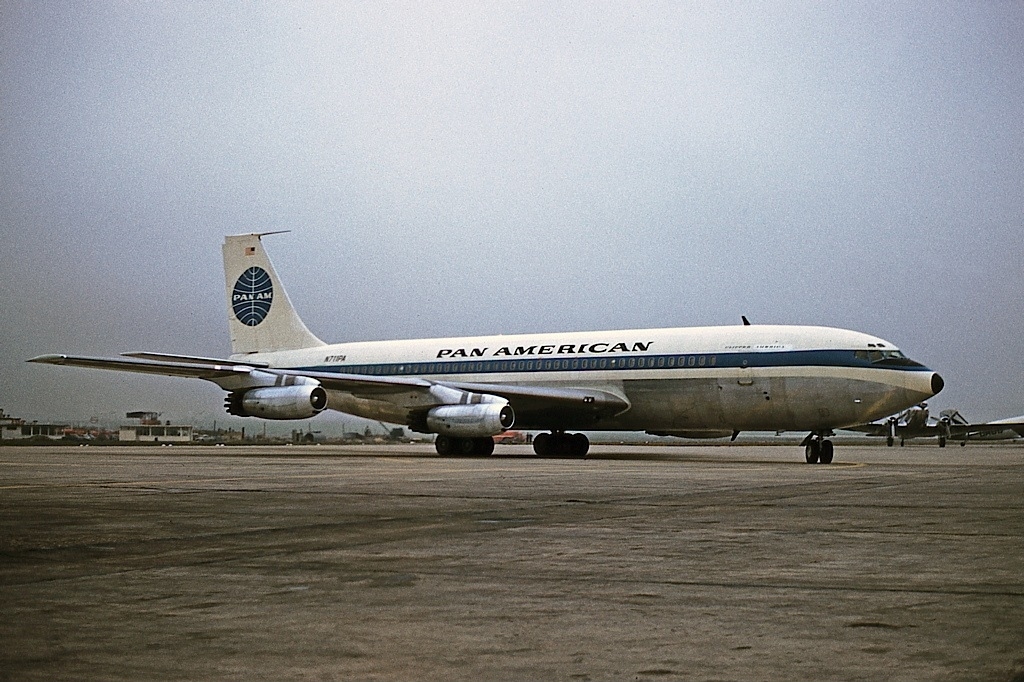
(985, 428)
(869, 429)
(1015, 423)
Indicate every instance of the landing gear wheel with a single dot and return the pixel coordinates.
(484, 446)
(579, 444)
(942, 441)
(827, 451)
(542, 444)
(812, 451)
(558, 444)
(464, 447)
(444, 445)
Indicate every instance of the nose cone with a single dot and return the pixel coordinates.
(937, 383)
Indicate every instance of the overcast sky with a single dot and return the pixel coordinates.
(481, 168)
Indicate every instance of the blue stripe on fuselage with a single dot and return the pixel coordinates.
(624, 363)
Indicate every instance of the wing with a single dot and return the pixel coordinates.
(221, 372)
(207, 370)
(986, 428)
(870, 429)
(545, 406)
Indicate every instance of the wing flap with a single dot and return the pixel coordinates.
(553, 407)
(191, 359)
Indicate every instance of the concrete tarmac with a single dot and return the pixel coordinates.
(390, 563)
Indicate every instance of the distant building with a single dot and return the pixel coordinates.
(13, 428)
(156, 434)
(33, 430)
(150, 430)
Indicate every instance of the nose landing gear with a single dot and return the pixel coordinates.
(817, 448)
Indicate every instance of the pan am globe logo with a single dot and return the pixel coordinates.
(252, 296)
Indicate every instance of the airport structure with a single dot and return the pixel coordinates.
(150, 430)
(13, 428)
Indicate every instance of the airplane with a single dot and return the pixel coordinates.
(914, 422)
(695, 382)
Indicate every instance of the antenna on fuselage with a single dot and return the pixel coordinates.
(746, 322)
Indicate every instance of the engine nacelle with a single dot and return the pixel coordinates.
(471, 421)
(278, 402)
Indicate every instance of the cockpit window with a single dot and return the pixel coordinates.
(889, 358)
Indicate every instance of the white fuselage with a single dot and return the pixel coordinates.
(684, 380)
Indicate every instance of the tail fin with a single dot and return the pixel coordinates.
(260, 316)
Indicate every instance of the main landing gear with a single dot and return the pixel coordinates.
(817, 448)
(561, 444)
(556, 444)
(464, 447)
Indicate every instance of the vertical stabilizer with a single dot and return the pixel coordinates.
(260, 316)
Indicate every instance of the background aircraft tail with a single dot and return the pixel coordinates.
(260, 315)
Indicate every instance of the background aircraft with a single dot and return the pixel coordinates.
(915, 422)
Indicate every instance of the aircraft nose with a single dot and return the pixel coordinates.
(937, 383)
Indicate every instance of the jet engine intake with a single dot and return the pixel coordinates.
(278, 402)
(471, 421)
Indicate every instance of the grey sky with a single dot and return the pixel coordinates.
(473, 168)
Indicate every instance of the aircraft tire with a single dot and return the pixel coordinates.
(484, 446)
(471, 446)
(812, 451)
(448, 446)
(567, 445)
(444, 445)
(827, 452)
(542, 444)
(889, 441)
(579, 445)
